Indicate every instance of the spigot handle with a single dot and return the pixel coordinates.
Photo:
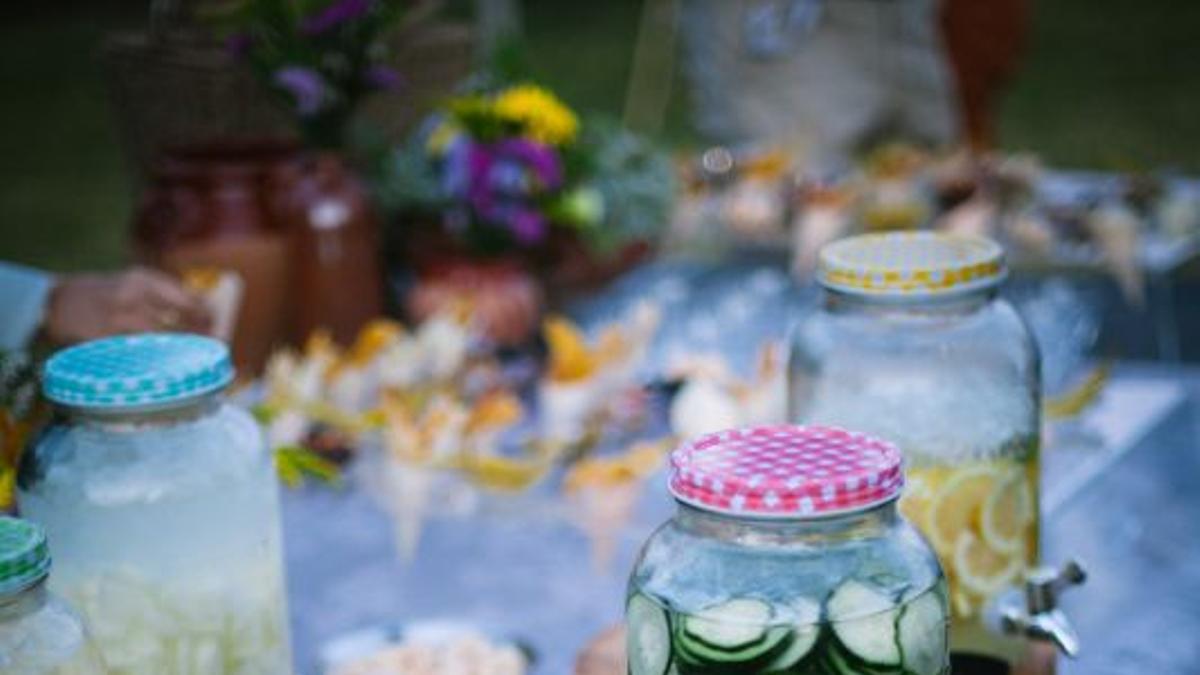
(1045, 584)
(1051, 626)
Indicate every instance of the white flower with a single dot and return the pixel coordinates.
(289, 427)
(702, 406)
(443, 346)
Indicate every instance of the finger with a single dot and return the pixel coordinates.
(177, 308)
(133, 321)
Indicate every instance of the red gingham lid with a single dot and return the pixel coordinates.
(785, 472)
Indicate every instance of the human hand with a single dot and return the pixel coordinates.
(88, 306)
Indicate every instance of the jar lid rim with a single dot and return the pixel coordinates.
(908, 266)
(786, 471)
(147, 371)
(24, 555)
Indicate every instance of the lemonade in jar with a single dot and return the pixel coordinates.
(912, 344)
(161, 501)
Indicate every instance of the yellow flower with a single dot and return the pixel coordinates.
(8, 481)
(544, 116)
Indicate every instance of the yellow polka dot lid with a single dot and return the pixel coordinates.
(911, 265)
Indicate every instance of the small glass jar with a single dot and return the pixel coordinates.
(786, 555)
(39, 634)
(913, 344)
(163, 506)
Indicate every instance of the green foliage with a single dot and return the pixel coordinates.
(295, 464)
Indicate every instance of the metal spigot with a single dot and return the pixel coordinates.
(1040, 618)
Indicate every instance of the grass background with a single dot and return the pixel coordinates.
(1106, 84)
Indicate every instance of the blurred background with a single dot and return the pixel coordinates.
(1101, 84)
(481, 263)
(1097, 85)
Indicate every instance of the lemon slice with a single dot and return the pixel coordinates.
(956, 507)
(962, 604)
(980, 569)
(505, 474)
(1007, 514)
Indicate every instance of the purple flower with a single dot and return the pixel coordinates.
(456, 177)
(383, 78)
(502, 182)
(334, 15)
(527, 225)
(538, 157)
(305, 85)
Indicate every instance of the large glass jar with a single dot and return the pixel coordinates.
(787, 555)
(163, 507)
(912, 344)
(39, 634)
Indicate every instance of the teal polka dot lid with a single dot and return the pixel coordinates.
(24, 557)
(137, 371)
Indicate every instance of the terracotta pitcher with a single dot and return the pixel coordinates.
(333, 231)
(207, 206)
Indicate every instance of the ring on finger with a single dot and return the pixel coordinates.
(168, 318)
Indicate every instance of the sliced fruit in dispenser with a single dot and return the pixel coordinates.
(983, 570)
(1008, 512)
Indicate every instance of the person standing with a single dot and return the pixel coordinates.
(821, 78)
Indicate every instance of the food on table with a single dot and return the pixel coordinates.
(702, 406)
(465, 654)
(1031, 233)
(1114, 228)
(712, 399)
(584, 378)
(974, 217)
(639, 461)
(221, 291)
(605, 491)
(825, 216)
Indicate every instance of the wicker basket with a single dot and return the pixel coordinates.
(174, 90)
(173, 85)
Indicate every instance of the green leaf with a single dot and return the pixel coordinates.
(296, 463)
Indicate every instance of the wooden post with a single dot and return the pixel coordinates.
(653, 71)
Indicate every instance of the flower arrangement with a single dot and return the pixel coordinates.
(320, 57)
(503, 166)
(505, 169)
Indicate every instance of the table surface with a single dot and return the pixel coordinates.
(519, 568)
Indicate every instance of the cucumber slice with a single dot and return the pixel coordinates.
(922, 628)
(805, 633)
(864, 621)
(649, 636)
(745, 657)
(789, 659)
(835, 660)
(730, 625)
(736, 636)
